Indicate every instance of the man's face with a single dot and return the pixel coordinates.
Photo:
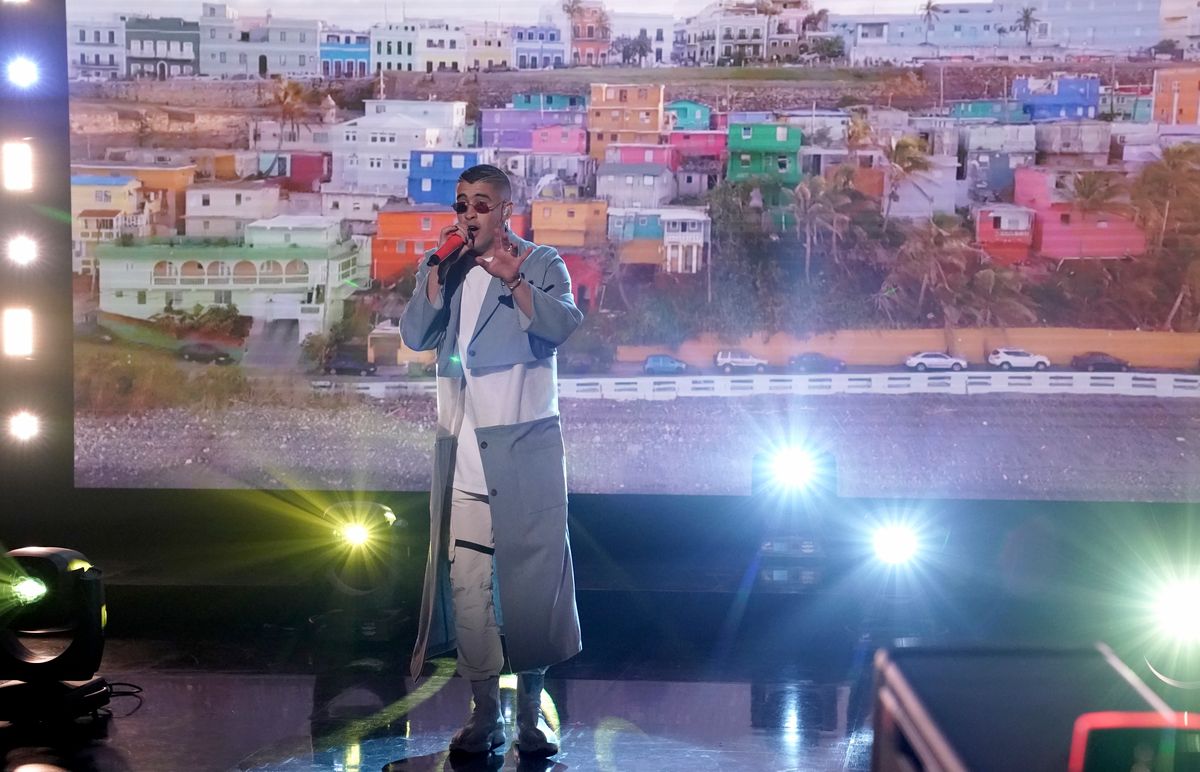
(481, 228)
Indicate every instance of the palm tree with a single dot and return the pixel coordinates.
(991, 296)
(1093, 193)
(817, 206)
(603, 24)
(1167, 192)
(906, 160)
(288, 101)
(927, 261)
(930, 12)
(816, 21)
(1026, 22)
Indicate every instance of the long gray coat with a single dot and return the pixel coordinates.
(524, 466)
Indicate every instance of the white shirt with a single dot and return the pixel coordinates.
(490, 396)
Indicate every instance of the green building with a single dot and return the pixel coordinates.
(770, 150)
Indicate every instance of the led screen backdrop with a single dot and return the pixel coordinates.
(957, 279)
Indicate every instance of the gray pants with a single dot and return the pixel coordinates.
(480, 655)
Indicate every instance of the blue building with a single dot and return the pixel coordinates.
(345, 54)
(690, 115)
(540, 100)
(538, 46)
(629, 224)
(1058, 97)
(433, 174)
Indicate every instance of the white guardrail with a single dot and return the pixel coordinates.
(962, 383)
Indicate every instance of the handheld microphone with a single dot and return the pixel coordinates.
(453, 243)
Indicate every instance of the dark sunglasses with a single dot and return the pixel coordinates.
(482, 207)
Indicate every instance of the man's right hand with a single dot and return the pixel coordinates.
(445, 234)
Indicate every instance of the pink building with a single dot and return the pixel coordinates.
(1061, 231)
(1005, 232)
(712, 144)
(663, 155)
(308, 170)
(564, 139)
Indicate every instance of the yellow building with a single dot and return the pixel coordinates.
(167, 182)
(642, 252)
(103, 208)
(633, 113)
(582, 223)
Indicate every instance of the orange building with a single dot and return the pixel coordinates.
(1177, 95)
(628, 114)
(581, 223)
(167, 181)
(591, 34)
(405, 232)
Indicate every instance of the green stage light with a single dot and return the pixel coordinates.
(357, 534)
(29, 590)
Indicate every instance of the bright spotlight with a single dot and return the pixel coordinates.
(17, 326)
(793, 469)
(22, 72)
(22, 250)
(357, 534)
(28, 590)
(16, 165)
(23, 426)
(895, 544)
(1177, 611)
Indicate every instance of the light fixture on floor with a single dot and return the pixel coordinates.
(45, 593)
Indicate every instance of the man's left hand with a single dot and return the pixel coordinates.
(506, 257)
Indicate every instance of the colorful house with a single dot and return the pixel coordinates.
(543, 100)
(1177, 95)
(566, 224)
(764, 150)
(512, 128)
(666, 155)
(991, 152)
(587, 278)
(104, 209)
(1059, 96)
(1005, 232)
(1063, 232)
(591, 36)
(628, 113)
(703, 156)
(688, 115)
(1001, 110)
(433, 174)
(568, 139)
(167, 181)
(1127, 103)
(406, 231)
(673, 239)
(538, 46)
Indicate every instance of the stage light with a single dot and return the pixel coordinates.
(895, 544)
(18, 332)
(793, 469)
(16, 164)
(24, 426)
(52, 591)
(357, 534)
(15, 2)
(22, 250)
(22, 72)
(1177, 611)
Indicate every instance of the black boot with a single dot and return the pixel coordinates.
(534, 735)
(484, 730)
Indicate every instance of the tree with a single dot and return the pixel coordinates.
(906, 160)
(923, 268)
(1093, 193)
(1165, 47)
(1167, 192)
(603, 24)
(930, 11)
(572, 8)
(288, 104)
(829, 48)
(1026, 22)
(622, 46)
(817, 21)
(817, 207)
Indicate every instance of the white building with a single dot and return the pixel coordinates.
(96, 49)
(489, 45)
(371, 154)
(223, 209)
(724, 34)
(659, 28)
(392, 46)
(441, 46)
(272, 45)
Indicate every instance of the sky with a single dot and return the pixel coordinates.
(361, 13)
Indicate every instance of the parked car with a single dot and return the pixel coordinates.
(812, 362)
(934, 360)
(1017, 358)
(728, 361)
(1098, 360)
(204, 352)
(343, 364)
(663, 364)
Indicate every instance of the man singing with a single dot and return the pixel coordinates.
(495, 309)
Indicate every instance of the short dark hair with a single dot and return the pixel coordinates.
(493, 175)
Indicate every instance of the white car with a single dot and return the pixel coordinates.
(1017, 358)
(728, 361)
(934, 360)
